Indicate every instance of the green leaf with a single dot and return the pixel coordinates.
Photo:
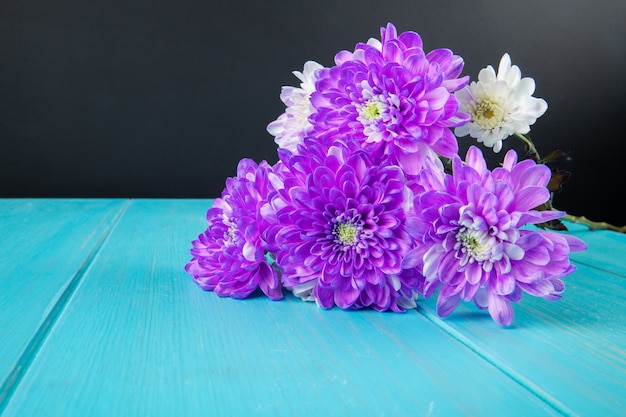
(553, 225)
(557, 180)
(553, 156)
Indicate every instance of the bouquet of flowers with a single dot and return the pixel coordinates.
(370, 204)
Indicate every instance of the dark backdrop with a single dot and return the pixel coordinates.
(161, 98)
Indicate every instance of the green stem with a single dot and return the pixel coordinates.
(532, 151)
(594, 225)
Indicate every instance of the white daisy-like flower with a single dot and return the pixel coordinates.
(500, 105)
(290, 128)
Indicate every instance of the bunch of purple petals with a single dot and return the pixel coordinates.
(359, 212)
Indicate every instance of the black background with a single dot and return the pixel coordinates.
(157, 98)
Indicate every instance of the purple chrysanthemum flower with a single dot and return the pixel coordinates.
(229, 257)
(395, 99)
(471, 245)
(339, 227)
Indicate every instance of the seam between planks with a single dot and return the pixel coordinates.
(22, 365)
(507, 370)
(577, 262)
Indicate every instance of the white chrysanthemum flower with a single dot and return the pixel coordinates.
(291, 127)
(500, 105)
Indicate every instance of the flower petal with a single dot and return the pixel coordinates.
(500, 309)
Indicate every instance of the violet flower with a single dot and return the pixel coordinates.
(229, 257)
(338, 223)
(471, 245)
(391, 96)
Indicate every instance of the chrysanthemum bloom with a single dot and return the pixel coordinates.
(473, 247)
(229, 257)
(293, 125)
(500, 104)
(339, 225)
(391, 96)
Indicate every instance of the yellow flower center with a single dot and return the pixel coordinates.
(372, 111)
(475, 244)
(488, 114)
(346, 234)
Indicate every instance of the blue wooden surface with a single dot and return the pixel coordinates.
(45, 244)
(100, 319)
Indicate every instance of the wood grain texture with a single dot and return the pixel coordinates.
(140, 338)
(45, 244)
(607, 251)
(572, 352)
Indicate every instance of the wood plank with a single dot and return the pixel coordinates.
(602, 253)
(140, 338)
(45, 244)
(571, 352)
(607, 251)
